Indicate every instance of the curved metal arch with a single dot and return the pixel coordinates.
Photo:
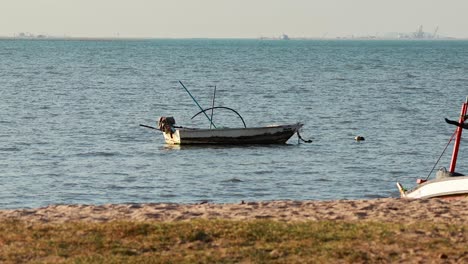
(222, 107)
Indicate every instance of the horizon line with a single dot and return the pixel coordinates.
(104, 38)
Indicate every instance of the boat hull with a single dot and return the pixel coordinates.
(451, 187)
(235, 136)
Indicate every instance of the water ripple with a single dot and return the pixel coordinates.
(70, 111)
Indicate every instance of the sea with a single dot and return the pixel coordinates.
(70, 115)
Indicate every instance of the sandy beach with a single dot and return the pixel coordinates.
(387, 210)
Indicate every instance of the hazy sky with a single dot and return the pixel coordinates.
(231, 18)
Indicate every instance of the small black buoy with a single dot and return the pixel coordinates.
(359, 138)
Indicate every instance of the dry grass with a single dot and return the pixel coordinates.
(228, 241)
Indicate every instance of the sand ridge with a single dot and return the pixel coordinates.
(386, 209)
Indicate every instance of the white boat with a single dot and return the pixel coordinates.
(449, 187)
(276, 134)
(448, 184)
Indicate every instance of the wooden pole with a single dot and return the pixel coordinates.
(456, 146)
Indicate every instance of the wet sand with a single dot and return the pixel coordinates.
(386, 210)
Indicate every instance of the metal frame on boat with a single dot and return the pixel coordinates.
(448, 184)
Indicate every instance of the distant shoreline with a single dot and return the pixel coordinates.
(201, 38)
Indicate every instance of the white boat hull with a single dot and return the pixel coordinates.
(442, 188)
(255, 135)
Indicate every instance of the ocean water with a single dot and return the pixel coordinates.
(70, 114)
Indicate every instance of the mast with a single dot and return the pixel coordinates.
(456, 146)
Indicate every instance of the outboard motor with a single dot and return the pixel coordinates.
(166, 124)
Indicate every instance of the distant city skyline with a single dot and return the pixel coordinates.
(231, 19)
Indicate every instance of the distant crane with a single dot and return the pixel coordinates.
(420, 33)
(434, 35)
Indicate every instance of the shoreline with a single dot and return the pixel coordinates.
(380, 210)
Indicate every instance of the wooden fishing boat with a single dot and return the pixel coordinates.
(276, 134)
(448, 184)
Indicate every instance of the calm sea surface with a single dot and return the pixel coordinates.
(70, 114)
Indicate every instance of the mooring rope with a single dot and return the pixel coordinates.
(446, 146)
(303, 140)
